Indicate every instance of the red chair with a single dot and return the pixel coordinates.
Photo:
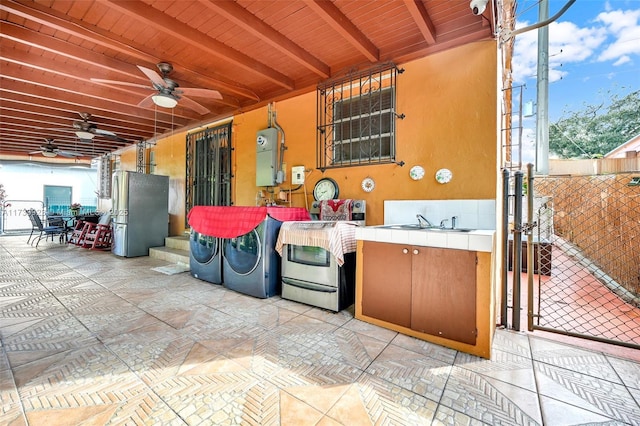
(99, 237)
(83, 232)
(78, 233)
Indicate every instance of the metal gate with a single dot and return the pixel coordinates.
(585, 257)
(208, 168)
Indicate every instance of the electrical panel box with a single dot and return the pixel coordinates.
(266, 156)
(297, 175)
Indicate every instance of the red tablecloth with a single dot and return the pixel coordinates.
(233, 221)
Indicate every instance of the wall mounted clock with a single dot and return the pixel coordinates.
(368, 184)
(325, 189)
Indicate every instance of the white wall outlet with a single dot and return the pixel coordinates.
(297, 175)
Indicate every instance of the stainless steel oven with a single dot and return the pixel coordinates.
(311, 275)
(318, 263)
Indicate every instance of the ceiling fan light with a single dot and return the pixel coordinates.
(84, 135)
(49, 154)
(164, 101)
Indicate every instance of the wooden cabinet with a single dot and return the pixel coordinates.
(443, 295)
(427, 289)
(387, 277)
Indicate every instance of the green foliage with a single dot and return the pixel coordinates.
(597, 129)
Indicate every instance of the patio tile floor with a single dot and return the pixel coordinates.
(91, 338)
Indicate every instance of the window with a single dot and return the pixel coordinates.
(356, 119)
(208, 168)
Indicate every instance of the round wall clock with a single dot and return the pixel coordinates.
(444, 176)
(368, 184)
(325, 189)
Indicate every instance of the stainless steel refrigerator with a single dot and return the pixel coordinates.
(140, 212)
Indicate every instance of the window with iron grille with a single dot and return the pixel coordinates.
(356, 119)
(208, 168)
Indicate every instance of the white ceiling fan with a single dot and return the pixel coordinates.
(49, 149)
(169, 93)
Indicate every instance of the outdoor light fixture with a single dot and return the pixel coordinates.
(84, 135)
(164, 100)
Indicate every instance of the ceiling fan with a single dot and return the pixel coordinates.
(86, 131)
(49, 149)
(169, 92)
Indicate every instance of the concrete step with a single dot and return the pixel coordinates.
(180, 242)
(175, 250)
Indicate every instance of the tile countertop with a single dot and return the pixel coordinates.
(476, 240)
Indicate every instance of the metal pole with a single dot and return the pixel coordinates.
(505, 247)
(542, 117)
(530, 259)
(517, 249)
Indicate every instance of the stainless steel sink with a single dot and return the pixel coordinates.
(415, 226)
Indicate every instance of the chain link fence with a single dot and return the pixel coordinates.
(587, 257)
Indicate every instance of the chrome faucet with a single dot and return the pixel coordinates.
(442, 223)
(423, 222)
(454, 222)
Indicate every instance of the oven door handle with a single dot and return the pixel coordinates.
(308, 285)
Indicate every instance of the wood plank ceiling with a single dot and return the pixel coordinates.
(56, 55)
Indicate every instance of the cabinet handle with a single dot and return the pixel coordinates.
(415, 251)
(405, 251)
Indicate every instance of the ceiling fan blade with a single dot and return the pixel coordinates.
(192, 105)
(202, 93)
(107, 134)
(35, 152)
(103, 132)
(122, 83)
(153, 76)
(146, 102)
(69, 154)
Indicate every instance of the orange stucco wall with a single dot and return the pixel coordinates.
(450, 103)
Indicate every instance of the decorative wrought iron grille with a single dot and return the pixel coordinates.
(356, 118)
(208, 168)
(106, 169)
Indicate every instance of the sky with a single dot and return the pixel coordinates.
(594, 51)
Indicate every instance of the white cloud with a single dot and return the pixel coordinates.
(624, 27)
(622, 60)
(568, 43)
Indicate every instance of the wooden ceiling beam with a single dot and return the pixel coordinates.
(53, 19)
(343, 26)
(251, 24)
(421, 18)
(27, 103)
(64, 90)
(164, 23)
(17, 109)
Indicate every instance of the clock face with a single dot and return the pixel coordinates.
(325, 189)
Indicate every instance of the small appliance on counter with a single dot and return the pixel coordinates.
(318, 263)
(344, 209)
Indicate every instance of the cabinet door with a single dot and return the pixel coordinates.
(444, 293)
(386, 282)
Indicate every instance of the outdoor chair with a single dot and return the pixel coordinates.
(44, 231)
(60, 221)
(99, 238)
(93, 235)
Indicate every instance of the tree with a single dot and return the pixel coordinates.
(597, 129)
